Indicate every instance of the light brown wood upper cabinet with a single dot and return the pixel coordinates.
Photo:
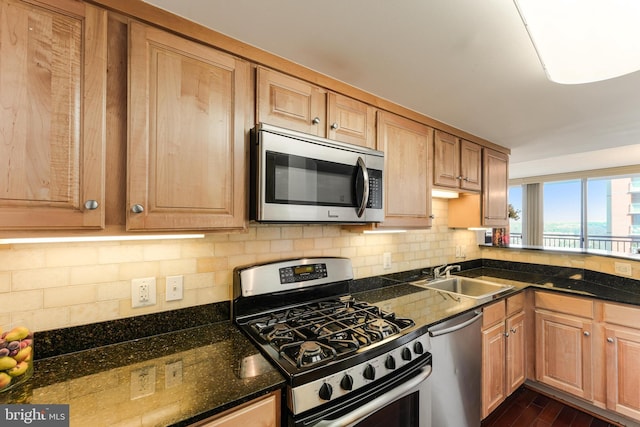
(495, 176)
(294, 104)
(457, 163)
(488, 209)
(52, 120)
(407, 183)
(291, 103)
(186, 146)
(351, 121)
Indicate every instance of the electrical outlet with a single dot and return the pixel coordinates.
(143, 382)
(143, 292)
(623, 268)
(173, 374)
(460, 252)
(174, 288)
(386, 260)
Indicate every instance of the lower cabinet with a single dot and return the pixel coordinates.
(262, 412)
(564, 344)
(503, 351)
(622, 354)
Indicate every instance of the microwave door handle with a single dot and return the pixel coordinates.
(365, 193)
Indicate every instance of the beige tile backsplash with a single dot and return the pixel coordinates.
(49, 286)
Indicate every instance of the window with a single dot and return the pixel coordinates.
(595, 213)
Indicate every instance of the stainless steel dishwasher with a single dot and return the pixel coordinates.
(456, 347)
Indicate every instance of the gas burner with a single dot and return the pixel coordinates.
(280, 334)
(307, 353)
(381, 328)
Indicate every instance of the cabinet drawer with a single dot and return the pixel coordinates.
(565, 304)
(493, 314)
(622, 315)
(515, 304)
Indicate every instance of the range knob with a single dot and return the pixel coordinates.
(347, 382)
(390, 363)
(418, 348)
(369, 373)
(325, 391)
(406, 354)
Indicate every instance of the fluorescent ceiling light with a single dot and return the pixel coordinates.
(76, 239)
(582, 41)
(444, 194)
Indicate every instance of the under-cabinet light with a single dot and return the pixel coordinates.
(383, 231)
(444, 194)
(583, 41)
(76, 239)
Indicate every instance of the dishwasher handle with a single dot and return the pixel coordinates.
(457, 327)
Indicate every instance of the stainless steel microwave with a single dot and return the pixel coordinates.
(300, 178)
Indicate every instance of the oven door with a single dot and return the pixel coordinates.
(403, 402)
(316, 180)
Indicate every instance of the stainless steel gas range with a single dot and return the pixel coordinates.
(346, 362)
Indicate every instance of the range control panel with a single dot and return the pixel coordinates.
(302, 273)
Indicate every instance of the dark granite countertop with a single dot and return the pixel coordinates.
(175, 378)
(426, 307)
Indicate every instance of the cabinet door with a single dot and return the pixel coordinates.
(351, 121)
(516, 362)
(470, 166)
(263, 412)
(563, 353)
(52, 120)
(186, 149)
(493, 369)
(494, 196)
(290, 103)
(407, 185)
(446, 160)
(623, 370)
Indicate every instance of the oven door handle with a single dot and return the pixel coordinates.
(378, 403)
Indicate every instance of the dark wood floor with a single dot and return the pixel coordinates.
(527, 408)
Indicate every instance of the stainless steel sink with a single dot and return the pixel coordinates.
(465, 286)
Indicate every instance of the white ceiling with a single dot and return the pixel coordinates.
(467, 63)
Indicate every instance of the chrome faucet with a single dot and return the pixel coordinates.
(444, 271)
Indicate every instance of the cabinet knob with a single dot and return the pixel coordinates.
(137, 208)
(334, 126)
(506, 334)
(513, 331)
(609, 339)
(91, 205)
(432, 216)
(316, 120)
(586, 333)
(459, 177)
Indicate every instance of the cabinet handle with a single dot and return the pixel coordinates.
(586, 333)
(316, 120)
(137, 208)
(432, 216)
(465, 179)
(513, 331)
(609, 339)
(91, 205)
(334, 126)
